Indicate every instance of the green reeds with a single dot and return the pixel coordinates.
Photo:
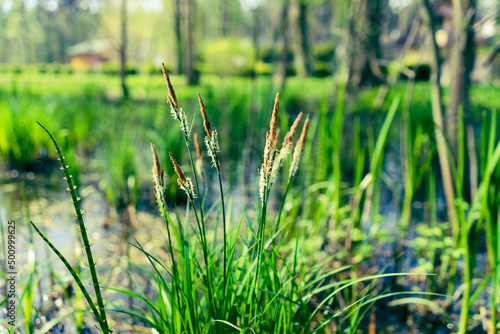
(375, 169)
(490, 212)
(483, 210)
(262, 278)
(187, 185)
(256, 281)
(99, 310)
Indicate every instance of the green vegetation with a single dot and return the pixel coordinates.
(303, 257)
(342, 175)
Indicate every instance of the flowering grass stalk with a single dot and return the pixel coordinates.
(297, 154)
(159, 191)
(180, 115)
(212, 144)
(266, 177)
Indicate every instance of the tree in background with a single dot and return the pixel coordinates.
(283, 31)
(3, 37)
(303, 55)
(179, 45)
(22, 45)
(362, 32)
(123, 49)
(226, 18)
(462, 57)
(426, 13)
(292, 36)
(192, 74)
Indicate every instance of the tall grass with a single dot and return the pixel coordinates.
(483, 210)
(276, 266)
(246, 282)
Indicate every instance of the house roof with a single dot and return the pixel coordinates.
(92, 47)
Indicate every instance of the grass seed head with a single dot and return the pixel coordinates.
(158, 179)
(272, 134)
(268, 174)
(199, 161)
(179, 115)
(262, 182)
(157, 171)
(274, 121)
(273, 168)
(213, 148)
(188, 187)
(171, 91)
(197, 145)
(299, 147)
(303, 135)
(291, 133)
(287, 146)
(198, 165)
(297, 155)
(178, 170)
(206, 123)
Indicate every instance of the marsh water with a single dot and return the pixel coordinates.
(40, 196)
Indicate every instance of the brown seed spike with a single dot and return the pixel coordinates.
(156, 163)
(274, 121)
(206, 122)
(302, 140)
(293, 129)
(197, 145)
(178, 170)
(171, 91)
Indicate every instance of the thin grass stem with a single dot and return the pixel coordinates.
(166, 217)
(224, 224)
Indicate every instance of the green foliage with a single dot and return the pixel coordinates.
(332, 207)
(228, 56)
(114, 68)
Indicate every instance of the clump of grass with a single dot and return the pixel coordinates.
(242, 281)
(246, 282)
(483, 210)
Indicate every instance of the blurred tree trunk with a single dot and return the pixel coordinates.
(66, 17)
(178, 37)
(340, 31)
(284, 52)
(21, 44)
(437, 112)
(123, 49)
(256, 34)
(192, 75)
(373, 48)
(363, 42)
(3, 37)
(302, 55)
(461, 63)
(61, 35)
(225, 18)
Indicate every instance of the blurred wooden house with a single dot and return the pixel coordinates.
(89, 55)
